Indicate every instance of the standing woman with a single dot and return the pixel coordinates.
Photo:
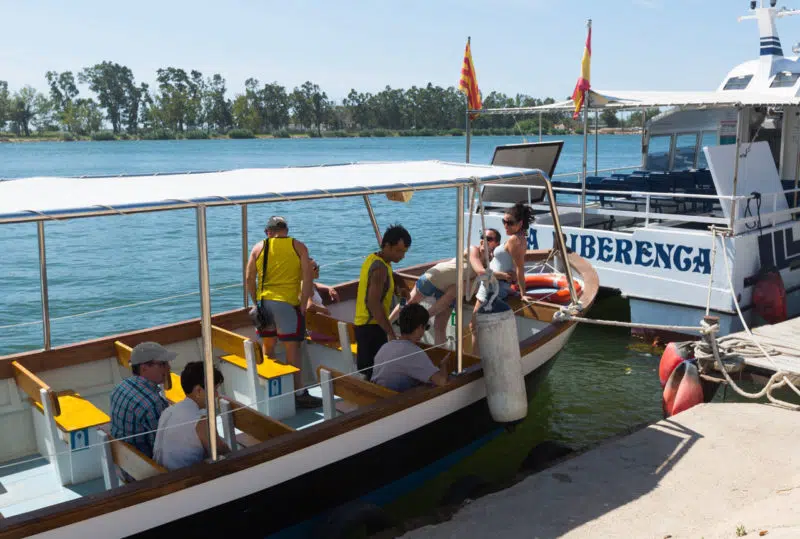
(509, 258)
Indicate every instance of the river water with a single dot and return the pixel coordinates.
(603, 381)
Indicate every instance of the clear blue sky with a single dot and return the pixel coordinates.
(527, 46)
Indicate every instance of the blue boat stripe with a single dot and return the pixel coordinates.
(768, 51)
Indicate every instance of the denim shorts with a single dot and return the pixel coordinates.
(427, 289)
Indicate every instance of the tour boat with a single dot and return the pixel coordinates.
(291, 470)
(692, 229)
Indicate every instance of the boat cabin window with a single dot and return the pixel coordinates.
(685, 151)
(709, 139)
(658, 152)
(784, 79)
(737, 83)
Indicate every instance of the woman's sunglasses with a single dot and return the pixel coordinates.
(509, 222)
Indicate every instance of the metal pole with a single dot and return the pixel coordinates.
(245, 257)
(373, 220)
(585, 143)
(559, 238)
(43, 286)
(540, 126)
(739, 123)
(468, 131)
(205, 326)
(596, 145)
(459, 275)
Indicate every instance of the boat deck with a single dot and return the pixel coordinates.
(783, 337)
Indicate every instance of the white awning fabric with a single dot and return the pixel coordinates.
(31, 199)
(633, 100)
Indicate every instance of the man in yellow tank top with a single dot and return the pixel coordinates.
(274, 285)
(376, 289)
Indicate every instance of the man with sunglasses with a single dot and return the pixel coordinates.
(401, 364)
(136, 402)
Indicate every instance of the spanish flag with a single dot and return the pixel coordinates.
(583, 86)
(469, 83)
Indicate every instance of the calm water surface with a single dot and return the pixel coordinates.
(601, 384)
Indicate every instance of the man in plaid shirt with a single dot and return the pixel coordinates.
(136, 403)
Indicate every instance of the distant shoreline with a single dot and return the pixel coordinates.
(11, 139)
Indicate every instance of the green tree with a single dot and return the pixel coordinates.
(23, 110)
(609, 118)
(63, 91)
(303, 105)
(276, 106)
(5, 104)
(113, 84)
(245, 115)
(217, 109)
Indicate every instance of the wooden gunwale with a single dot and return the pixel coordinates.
(95, 505)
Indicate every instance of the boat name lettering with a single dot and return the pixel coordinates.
(645, 253)
(778, 248)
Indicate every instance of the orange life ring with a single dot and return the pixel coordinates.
(558, 289)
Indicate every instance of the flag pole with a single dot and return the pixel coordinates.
(467, 131)
(585, 145)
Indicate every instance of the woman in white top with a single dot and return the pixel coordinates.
(182, 437)
(439, 283)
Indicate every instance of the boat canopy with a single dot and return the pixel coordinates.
(42, 198)
(637, 99)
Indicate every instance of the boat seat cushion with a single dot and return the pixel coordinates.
(267, 370)
(77, 413)
(175, 392)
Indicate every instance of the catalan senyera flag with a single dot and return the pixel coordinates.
(469, 83)
(583, 86)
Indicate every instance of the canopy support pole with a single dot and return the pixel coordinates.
(468, 132)
(205, 326)
(558, 239)
(459, 276)
(43, 286)
(739, 125)
(372, 219)
(245, 257)
(540, 126)
(596, 145)
(585, 149)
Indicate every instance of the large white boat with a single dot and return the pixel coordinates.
(290, 470)
(669, 232)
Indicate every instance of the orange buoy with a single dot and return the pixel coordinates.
(682, 390)
(674, 354)
(557, 288)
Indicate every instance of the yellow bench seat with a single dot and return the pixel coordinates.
(268, 369)
(76, 413)
(175, 392)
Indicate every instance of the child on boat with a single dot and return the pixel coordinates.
(182, 438)
(401, 364)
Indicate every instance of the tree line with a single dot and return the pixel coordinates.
(189, 104)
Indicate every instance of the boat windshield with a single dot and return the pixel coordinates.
(658, 152)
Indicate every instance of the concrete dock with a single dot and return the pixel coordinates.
(714, 471)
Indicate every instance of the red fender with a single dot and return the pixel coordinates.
(674, 353)
(682, 390)
(769, 297)
(690, 391)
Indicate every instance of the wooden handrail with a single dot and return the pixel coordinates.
(32, 386)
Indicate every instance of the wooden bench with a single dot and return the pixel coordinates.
(268, 385)
(117, 453)
(351, 389)
(66, 436)
(255, 427)
(173, 391)
(337, 334)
